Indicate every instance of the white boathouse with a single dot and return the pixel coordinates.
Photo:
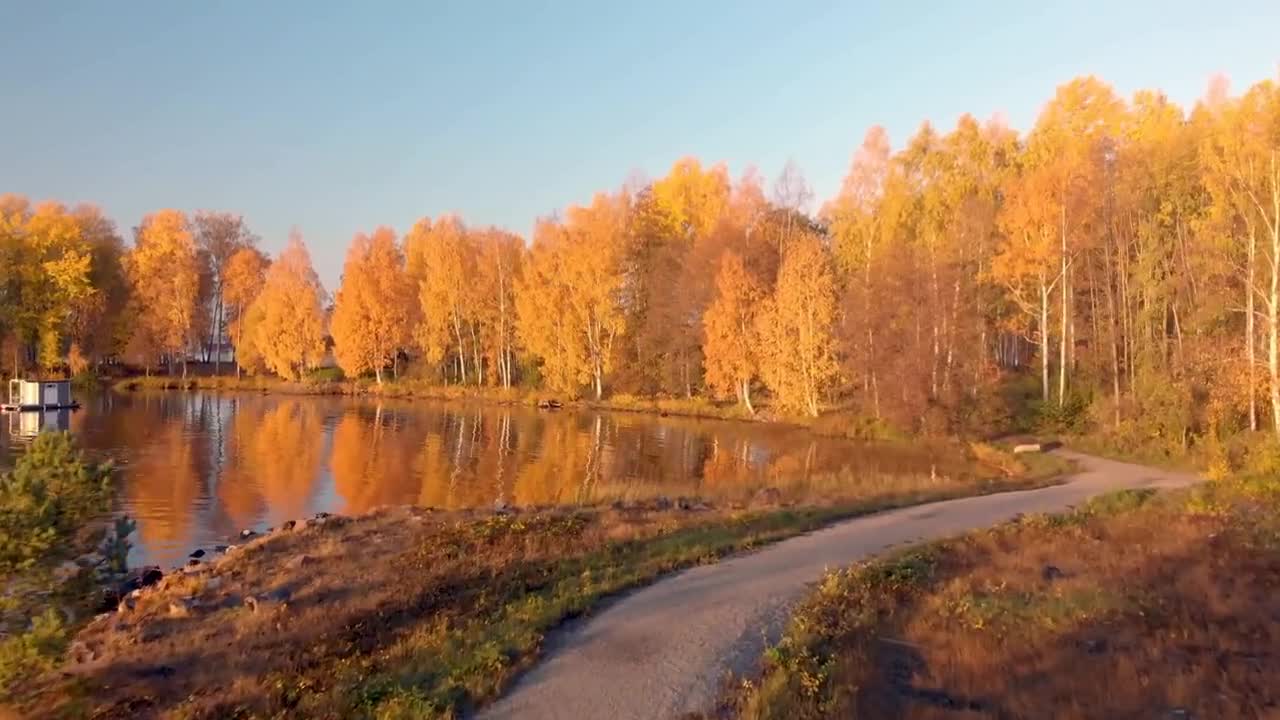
(39, 395)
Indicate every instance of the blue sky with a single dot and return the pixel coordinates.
(337, 117)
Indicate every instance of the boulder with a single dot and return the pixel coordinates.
(299, 561)
(289, 525)
(181, 607)
(1027, 448)
(145, 576)
(276, 599)
(80, 653)
(91, 560)
(197, 553)
(66, 571)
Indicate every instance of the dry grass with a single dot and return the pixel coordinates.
(1131, 608)
(412, 613)
(423, 390)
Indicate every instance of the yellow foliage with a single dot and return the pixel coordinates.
(568, 301)
(286, 323)
(371, 315)
(731, 334)
(164, 276)
(796, 329)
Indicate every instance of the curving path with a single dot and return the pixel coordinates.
(664, 650)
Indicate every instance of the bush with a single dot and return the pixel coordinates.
(50, 493)
(326, 375)
(1070, 416)
(34, 650)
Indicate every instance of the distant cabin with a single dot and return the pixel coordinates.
(39, 395)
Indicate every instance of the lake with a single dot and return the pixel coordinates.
(196, 468)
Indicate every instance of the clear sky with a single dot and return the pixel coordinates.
(338, 117)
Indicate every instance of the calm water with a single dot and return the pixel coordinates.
(199, 467)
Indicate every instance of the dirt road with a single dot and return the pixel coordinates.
(665, 649)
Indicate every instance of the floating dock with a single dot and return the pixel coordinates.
(28, 395)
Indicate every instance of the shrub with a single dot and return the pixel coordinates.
(34, 650)
(325, 375)
(47, 496)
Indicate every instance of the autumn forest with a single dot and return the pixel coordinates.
(1119, 260)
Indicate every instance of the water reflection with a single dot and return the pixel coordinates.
(27, 424)
(198, 467)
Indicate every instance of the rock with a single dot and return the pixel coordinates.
(322, 516)
(1027, 448)
(221, 549)
(278, 599)
(289, 525)
(767, 497)
(300, 561)
(109, 600)
(193, 562)
(80, 653)
(228, 549)
(683, 504)
(197, 553)
(247, 534)
(142, 577)
(91, 560)
(1051, 573)
(66, 571)
(1096, 646)
(181, 607)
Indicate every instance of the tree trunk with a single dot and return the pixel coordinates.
(239, 343)
(1251, 332)
(746, 396)
(217, 337)
(1044, 341)
(1113, 332)
(1273, 305)
(1063, 337)
(462, 348)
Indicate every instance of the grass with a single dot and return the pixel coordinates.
(1134, 606)
(409, 613)
(323, 383)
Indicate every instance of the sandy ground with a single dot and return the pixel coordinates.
(666, 650)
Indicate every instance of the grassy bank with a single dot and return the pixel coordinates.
(1136, 606)
(417, 389)
(411, 613)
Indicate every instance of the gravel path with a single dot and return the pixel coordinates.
(665, 649)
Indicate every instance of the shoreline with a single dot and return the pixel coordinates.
(469, 583)
(697, 408)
